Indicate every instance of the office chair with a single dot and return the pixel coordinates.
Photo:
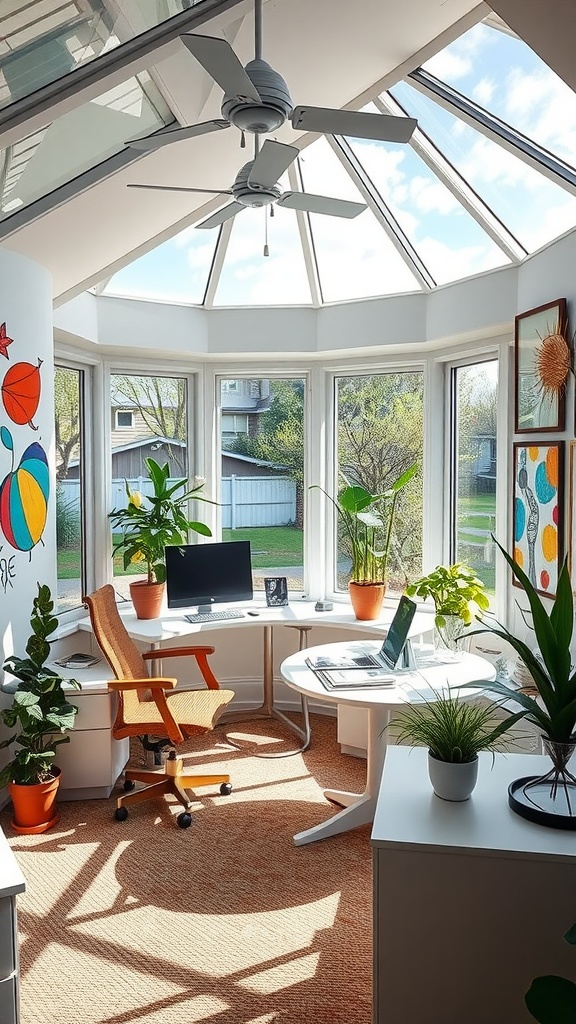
(146, 708)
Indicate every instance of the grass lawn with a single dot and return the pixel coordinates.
(271, 546)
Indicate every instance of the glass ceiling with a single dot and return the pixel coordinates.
(41, 42)
(454, 202)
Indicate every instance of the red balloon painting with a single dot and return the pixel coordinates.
(21, 392)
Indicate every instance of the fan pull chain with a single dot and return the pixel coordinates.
(242, 140)
(266, 249)
(272, 210)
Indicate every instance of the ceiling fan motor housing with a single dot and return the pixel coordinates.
(260, 118)
(253, 195)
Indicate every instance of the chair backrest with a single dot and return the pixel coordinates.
(116, 644)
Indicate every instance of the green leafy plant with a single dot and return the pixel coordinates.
(552, 999)
(39, 708)
(151, 523)
(368, 521)
(553, 711)
(455, 590)
(453, 729)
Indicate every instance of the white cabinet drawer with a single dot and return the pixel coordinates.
(7, 930)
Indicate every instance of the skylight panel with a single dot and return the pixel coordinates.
(534, 209)
(176, 271)
(248, 277)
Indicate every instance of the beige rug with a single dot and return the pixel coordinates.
(227, 921)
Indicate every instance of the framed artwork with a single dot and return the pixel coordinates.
(539, 512)
(541, 366)
(572, 514)
(276, 589)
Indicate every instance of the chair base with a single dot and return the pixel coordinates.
(172, 780)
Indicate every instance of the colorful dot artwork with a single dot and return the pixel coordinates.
(537, 496)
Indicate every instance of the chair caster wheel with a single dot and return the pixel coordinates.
(184, 820)
(120, 814)
(128, 785)
(226, 788)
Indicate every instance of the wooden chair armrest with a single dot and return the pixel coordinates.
(201, 655)
(176, 652)
(173, 730)
(147, 683)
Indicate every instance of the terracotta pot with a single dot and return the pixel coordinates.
(147, 599)
(34, 805)
(367, 599)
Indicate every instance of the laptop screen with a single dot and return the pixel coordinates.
(398, 631)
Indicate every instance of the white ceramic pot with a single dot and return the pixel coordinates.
(452, 780)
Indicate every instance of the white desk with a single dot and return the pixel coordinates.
(358, 808)
(171, 625)
(470, 900)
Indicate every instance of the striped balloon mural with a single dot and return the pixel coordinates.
(24, 494)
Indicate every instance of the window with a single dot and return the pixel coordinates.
(124, 420)
(230, 387)
(70, 473)
(263, 478)
(159, 421)
(380, 425)
(474, 409)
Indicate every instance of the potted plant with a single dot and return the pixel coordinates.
(148, 525)
(458, 596)
(552, 709)
(40, 711)
(551, 999)
(368, 521)
(455, 731)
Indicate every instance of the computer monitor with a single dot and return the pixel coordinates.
(207, 574)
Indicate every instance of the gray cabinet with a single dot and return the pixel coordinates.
(470, 900)
(11, 883)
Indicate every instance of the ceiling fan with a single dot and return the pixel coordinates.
(256, 185)
(257, 100)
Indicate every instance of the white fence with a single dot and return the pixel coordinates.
(246, 500)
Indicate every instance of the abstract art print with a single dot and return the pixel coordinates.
(541, 362)
(538, 512)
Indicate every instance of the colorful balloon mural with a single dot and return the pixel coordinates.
(24, 495)
(21, 392)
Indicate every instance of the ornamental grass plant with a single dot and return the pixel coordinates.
(453, 729)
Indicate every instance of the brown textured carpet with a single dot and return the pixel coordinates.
(226, 922)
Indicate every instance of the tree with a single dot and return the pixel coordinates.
(66, 418)
(162, 404)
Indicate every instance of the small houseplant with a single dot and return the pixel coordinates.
(39, 711)
(551, 999)
(148, 525)
(368, 521)
(553, 709)
(455, 731)
(459, 597)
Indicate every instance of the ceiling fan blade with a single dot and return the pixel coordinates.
(151, 142)
(320, 204)
(270, 164)
(224, 214)
(218, 58)
(354, 123)
(178, 188)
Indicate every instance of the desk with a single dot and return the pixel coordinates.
(171, 624)
(413, 686)
(11, 883)
(479, 901)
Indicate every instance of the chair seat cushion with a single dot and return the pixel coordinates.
(194, 710)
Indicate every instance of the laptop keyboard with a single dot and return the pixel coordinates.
(366, 661)
(228, 613)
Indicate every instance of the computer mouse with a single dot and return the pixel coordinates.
(253, 613)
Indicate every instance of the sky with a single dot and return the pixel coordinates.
(355, 258)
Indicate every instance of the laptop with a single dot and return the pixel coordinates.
(389, 653)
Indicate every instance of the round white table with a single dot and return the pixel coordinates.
(412, 686)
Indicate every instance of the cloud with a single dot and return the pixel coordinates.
(449, 66)
(483, 92)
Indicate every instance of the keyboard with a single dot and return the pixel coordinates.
(220, 616)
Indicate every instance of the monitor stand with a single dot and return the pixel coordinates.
(407, 657)
(205, 609)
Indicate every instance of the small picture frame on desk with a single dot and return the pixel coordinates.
(276, 590)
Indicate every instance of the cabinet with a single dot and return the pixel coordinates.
(11, 883)
(470, 900)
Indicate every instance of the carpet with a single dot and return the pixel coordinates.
(226, 921)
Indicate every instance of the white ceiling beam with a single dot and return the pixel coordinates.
(306, 237)
(218, 262)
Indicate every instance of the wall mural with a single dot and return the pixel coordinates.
(25, 488)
